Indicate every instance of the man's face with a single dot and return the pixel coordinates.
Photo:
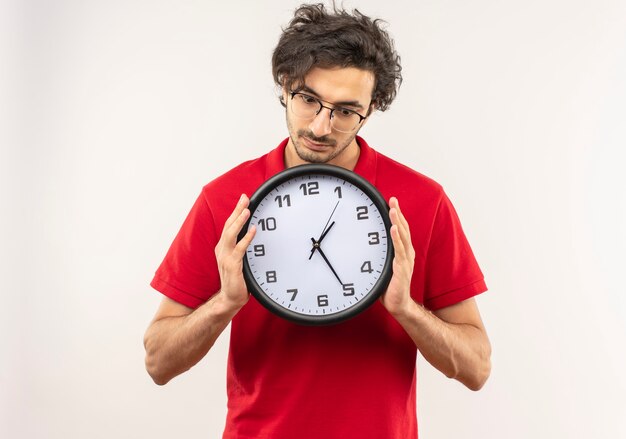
(314, 140)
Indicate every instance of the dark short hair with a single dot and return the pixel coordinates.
(316, 37)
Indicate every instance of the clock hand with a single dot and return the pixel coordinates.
(319, 241)
(319, 249)
(331, 215)
(325, 230)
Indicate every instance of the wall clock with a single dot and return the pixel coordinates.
(322, 252)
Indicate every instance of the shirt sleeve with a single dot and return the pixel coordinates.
(189, 273)
(452, 272)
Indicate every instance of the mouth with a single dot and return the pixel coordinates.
(315, 146)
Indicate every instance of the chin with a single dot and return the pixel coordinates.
(313, 156)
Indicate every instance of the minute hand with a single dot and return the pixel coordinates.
(325, 229)
(319, 249)
(318, 242)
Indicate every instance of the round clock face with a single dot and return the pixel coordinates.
(322, 252)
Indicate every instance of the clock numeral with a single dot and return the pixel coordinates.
(374, 238)
(310, 188)
(284, 199)
(361, 213)
(259, 250)
(270, 276)
(348, 290)
(268, 224)
(366, 267)
(294, 292)
(338, 190)
(322, 300)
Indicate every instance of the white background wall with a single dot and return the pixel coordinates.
(115, 113)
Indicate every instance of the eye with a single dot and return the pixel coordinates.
(344, 112)
(307, 99)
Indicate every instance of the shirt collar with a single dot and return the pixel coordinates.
(275, 161)
(365, 166)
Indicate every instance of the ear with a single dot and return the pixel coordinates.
(284, 97)
(371, 109)
(284, 92)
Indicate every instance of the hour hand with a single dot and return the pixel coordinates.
(325, 229)
(317, 243)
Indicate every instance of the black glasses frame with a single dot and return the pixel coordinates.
(319, 101)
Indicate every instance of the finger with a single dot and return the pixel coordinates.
(398, 245)
(402, 265)
(403, 220)
(240, 249)
(400, 220)
(394, 212)
(242, 203)
(230, 234)
(403, 236)
(396, 220)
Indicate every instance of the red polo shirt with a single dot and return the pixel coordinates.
(354, 379)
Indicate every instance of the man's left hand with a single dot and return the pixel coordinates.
(398, 295)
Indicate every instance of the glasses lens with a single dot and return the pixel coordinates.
(307, 107)
(344, 120)
(304, 106)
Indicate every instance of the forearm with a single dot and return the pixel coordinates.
(175, 344)
(460, 351)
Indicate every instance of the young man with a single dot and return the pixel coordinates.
(357, 378)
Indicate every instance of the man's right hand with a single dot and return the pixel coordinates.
(178, 337)
(230, 253)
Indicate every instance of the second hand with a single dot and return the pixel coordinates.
(325, 230)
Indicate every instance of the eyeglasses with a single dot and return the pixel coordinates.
(341, 119)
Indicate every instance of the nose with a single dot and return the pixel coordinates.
(320, 125)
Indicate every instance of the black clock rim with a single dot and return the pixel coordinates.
(380, 285)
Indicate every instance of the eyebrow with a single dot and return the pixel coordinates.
(355, 104)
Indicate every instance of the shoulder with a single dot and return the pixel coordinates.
(236, 176)
(403, 182)
(222, 193)
(247, 176)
